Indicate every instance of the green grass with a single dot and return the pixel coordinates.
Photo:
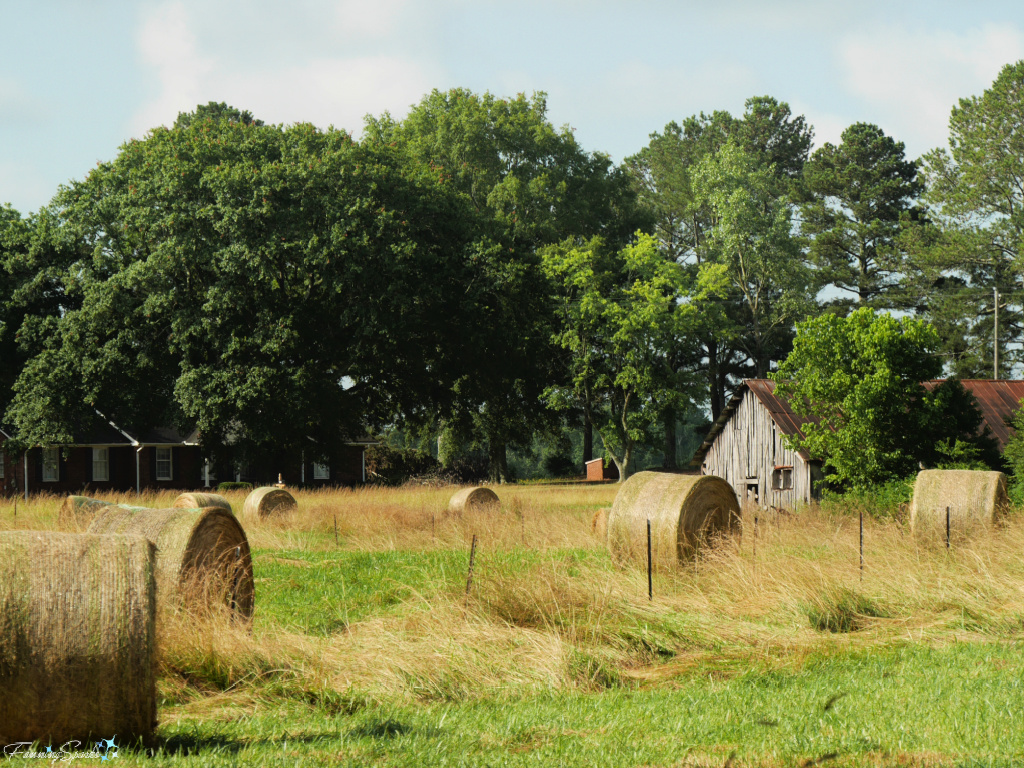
(323, 592)
(958, 705)
(782, 653)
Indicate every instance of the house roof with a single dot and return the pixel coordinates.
(764, 390)
(103, 432)
(998, 400)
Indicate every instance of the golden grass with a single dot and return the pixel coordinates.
(772, 597)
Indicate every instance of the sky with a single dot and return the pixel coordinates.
(78, 79)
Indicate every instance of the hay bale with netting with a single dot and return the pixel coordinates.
(977, 501)
(77, 638)
(599, 523)
(201, 500)
(76, 510)
(268, 502)
(686, 513)
(475, 499)
(203, 559)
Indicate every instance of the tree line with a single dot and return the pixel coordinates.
(472, 273)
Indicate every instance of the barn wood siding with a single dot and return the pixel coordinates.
(751, 446)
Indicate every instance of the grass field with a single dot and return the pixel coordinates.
(775, 650)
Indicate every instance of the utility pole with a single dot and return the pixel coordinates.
(995, 337)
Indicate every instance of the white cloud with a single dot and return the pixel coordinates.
(325, 90)
(828, 126)
(328, 91)
(374, 19)
(168, 47)
(915, 78)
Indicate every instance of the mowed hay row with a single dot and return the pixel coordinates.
(599, 523)
(78, 510)
(685, 511)
(201, 500)
(976, 500)
(77, 637)
(268, 502)
(474, 499)
(203, 558)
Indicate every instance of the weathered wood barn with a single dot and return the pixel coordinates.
(746, 445)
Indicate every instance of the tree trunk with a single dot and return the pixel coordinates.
(497, 454)
(715, 392)
(670, 461)
(588, 438)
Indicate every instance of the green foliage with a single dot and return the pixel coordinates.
(975, 195)
(751, 239)
(687, 187)
(840, 609)
(231, 485)
(531, 185)
(268, 285)
(215, 111)
(882, 501)
(1014, 456)
(862, 192)
(873, 421)
(393, 466)
(618, 313)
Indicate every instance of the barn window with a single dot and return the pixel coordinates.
(100, 464)
(51, 470)
(164, 464)
(321, 472)
(782, 479)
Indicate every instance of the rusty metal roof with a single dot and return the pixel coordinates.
(998, 400)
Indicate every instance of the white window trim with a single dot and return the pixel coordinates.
(170, 464)
(321, 471)
(101, 457)
(51, 459)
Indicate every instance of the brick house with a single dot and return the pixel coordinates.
(105, 457)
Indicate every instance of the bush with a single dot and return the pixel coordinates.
(394, 466)
(233, 486)
(560, 465)
(841, 610)
(886, 500)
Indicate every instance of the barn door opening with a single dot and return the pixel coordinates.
(752, 496)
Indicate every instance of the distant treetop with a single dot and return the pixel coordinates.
(216, 111)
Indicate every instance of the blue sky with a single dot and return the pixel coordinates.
(78, 79)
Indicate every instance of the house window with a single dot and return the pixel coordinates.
(321, 472)
(164, 466)
(782, 479)
(51, 469)
(101, 464)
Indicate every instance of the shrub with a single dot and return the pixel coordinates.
(841, 610)
(393, 466)
(233, 486)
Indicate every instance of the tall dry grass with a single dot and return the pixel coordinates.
(560, 615)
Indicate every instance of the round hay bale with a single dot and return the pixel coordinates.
(976, 501)
(203, 558)
(78, 509)
(599, 523)
(268, 502)
(475, 499)
(686, 512)
(77, 638)
(201, 500)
